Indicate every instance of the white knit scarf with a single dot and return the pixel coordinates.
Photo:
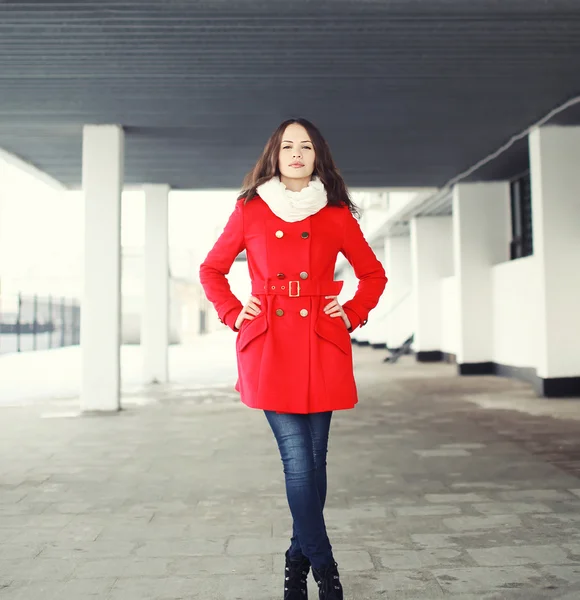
(293, 206)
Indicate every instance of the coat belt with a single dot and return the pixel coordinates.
(296, 288)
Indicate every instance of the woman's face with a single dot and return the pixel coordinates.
(296, 158)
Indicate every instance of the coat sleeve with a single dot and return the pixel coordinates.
(217, 264)
(368, 270)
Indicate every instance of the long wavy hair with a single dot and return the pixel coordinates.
(324, 167)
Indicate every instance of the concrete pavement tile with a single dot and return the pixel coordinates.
(32, 590)
(519, 555)
(148, 588)
(556, 518)
(454, 498)
(418, 524)
(486, 579)
(218, 587)
(413, 559)
(489, 522)
(200, 566)
(569, 574)
(22, 509)
(465, 446)
(42, 521)
(442, 453)
(182, 547)
(79, 532)
(143, 531)
(243, 546)
(573, 594)
(26, 537)
(87, 549)
(508, 508)
(37, 569)
(353, 560)
(77, 589)
(535, 495)
(425, 511)
(573, 549)
(122, 567)
(73, 508)
(9, 550)
(405, 585)
(11, 496)
(481, 485)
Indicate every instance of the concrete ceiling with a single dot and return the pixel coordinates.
(408, 92)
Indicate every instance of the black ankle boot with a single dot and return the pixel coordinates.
(295, 576)
(329, 586)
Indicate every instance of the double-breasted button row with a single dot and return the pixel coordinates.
(280, 312)
(303, 275)
(304, 235)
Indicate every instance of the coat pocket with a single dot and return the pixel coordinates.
(251, 331)
(333, 330)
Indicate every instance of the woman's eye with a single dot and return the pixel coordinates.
(285, 147)
(306, 148)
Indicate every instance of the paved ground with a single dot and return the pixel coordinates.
(181, 495)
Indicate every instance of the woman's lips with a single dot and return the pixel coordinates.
(296, 165)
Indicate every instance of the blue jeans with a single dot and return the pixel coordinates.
(303, 443)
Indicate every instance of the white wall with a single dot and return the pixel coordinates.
(555, 178)
(431, 259)
(449, 295)
(515, 292)
(399, 297)
(516, 311)
(481, 234)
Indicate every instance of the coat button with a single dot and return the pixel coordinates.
(303, 313)
(279, 312)
(279, 234)
(281, 276)
(305, 235)
(304, 275)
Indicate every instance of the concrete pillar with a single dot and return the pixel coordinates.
(555, 180)
(432, 259)
(481, 235)
(376, 328)
(102, 177)
(399, 296)
(155, 314)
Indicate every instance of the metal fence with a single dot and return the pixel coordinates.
(38, 323)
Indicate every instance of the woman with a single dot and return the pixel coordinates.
(293, 347)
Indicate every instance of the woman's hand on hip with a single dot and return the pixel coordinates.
(250, 311)
(334, 309)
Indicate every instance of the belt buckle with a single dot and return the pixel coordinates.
(297, 289)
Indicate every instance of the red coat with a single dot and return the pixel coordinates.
(293, 358)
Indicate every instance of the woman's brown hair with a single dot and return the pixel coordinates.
(324, 167)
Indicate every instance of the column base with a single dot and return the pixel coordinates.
(482, 368)
(550, 387)
(100, 412)
(429, 356)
